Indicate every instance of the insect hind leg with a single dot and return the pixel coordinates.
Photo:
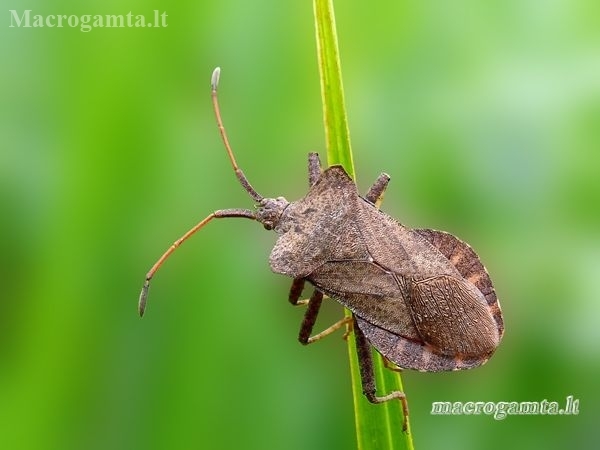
(367, 376)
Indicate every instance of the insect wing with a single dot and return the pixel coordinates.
(412, 353)
(470, 267)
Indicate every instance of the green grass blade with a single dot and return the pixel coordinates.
(377, 426)
(337, 135)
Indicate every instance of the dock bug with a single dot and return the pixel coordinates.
(420, 297)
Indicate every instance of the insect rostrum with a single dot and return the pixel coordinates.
(421, 297)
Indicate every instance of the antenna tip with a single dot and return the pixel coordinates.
(143, 299)
(214, 80)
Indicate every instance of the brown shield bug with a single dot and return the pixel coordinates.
(421, 297)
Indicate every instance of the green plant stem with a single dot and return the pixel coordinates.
(337, 136)
(377, 426)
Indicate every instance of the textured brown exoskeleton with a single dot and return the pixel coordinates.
(421, 297)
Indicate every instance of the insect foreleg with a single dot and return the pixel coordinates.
(310, 316)
(312, 311)
(296, 291)
(314, 168)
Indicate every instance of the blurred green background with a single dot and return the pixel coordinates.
(485, 114)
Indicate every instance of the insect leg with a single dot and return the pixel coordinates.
(375, 192)
(390, 365)
(310, 316)
(344, 321)
(314, 168)
(245, 213)
(296, 292)
(367, 376)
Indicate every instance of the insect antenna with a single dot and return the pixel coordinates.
(220, 214)
(214, 82)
